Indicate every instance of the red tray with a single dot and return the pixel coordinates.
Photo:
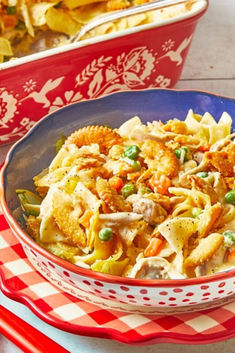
(21, 282)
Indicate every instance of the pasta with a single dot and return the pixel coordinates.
(29, 26)
(138, 201)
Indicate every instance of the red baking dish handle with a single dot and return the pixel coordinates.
(26, 337)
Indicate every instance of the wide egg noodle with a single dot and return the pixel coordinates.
(73, 4)
(87, 13)
(26, 16)
(59, 20)
(112, 265)
(47, 179)
(177, 231)
(101, 250)
(207, 128)
(222, 129)
(198, 198)
(38, 12)
(5, 47)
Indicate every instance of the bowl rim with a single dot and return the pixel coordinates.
(66, 265)
(199, 10)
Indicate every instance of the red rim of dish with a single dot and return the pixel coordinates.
(25, 238)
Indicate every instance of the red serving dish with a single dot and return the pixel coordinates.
(147, 56)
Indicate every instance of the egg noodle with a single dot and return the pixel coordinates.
(30, 26)
(143, 201)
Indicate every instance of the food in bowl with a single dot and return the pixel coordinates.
(31, 26)
(154, 201)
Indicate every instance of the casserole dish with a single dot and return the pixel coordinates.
(150, 55)
(33, 153)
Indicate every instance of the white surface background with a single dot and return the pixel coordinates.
(210, 66)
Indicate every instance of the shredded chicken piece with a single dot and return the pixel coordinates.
(151, 268)
(160, 158)
(152, 212)
(120, 217)
(109, 195)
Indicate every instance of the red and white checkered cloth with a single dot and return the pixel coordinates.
(20, 281)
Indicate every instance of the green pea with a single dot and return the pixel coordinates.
(196, 211)
(132, 152)
(106, 234)
(202, 174)
(128, 190)
(11, 10)
(230, 235)
(145, 190)
(230, 197)
(135, 164)
(178, 152)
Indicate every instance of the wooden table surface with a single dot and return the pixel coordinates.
(210, 66)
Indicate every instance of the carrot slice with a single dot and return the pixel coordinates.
(85, 219)
(154, 247)
(231, 256)
(160, 183)
(204, 148)
(116, 183)
(9, 21)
